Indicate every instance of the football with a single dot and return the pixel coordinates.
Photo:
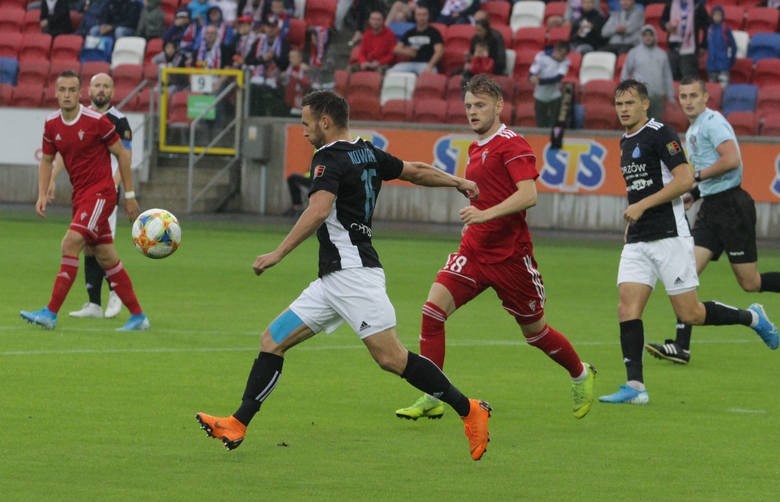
(156, 233)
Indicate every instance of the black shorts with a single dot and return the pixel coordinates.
(727, 222)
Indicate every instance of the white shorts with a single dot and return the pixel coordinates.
(671, 260)
(355, 295)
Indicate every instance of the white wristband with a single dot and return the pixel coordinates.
(130, 195)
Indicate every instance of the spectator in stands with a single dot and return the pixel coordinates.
(376, 46)
(119, 18)
(546, 73)
(401, 11)
(721, 48)
(586, 30)
(623, 26)
(268, 59)
(173, 57)
(228, 8)
(92, 10)
(210, 53)
(296, 79)
(258, 9)
(182, 33)
(649, 64)
(198, 11)
(423, 44)
(479, 61)
(318, 45)
(243, 42)
(224, 31)
(574, 10)
(686, 23)
(279, 10)
(494, 39)
(457, 11)
(151, 24)
(55, 17)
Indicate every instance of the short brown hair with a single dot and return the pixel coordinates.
(69, 74)
(482, 84)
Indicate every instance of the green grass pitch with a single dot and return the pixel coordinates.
(92, 414)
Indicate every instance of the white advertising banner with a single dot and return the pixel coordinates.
(21, 130)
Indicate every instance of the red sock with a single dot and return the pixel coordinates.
(432, 333)
(120, 282)
(69, 267)
(558, 348)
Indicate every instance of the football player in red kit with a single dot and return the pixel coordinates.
(496, 250)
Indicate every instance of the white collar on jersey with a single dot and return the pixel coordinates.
(485, 141)
(78, 116)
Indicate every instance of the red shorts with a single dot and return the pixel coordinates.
(90, 219)
(516, 281)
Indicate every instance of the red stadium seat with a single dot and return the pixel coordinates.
(452, 60)
(507, 114)
(430, 111)
(128, 74)
(554, 9)
(459, 37)
(9, 44)
(177, 108)
(761, 19)
(33, 71)
(525, 114)
(321, 12)
(396, 110)
(364, 83)
(766, 72)
(66, 47)
(741, 71)
(340, 81)
(771, 125)
(456, 112)
(524, 92)
(715, 90)
(558, 34)
(674, 117)
(91, 68)
(529, 39)
(36, 45)
(430, 86)
(768, 102)
(599, 92)
(506, 33)
(49, 98)
(32, 21)
(507, 86)
(154, 46)
(296, 36)
(151, 72)
(12, 20)
(600, 118)
(28, 96)
(498, 11)
(122, 91)
(653, 14)
(364, 107)
(454, 87)
(575, 62)
(745, 123)
(354, 55)
(523, 60)
(733, 16)
(58, 67)
(6, 91)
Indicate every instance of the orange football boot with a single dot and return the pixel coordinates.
(475, 425)
(227, 429)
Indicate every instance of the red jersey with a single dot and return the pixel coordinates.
(83, 143)
(497, 164)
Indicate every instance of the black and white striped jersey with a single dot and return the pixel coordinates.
(353, 171)
(647, 158)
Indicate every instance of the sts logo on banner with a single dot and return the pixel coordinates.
(776, 183)
(450, 153)
(374, 137)
(578, 166)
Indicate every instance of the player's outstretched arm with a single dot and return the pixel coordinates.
(320, 205)
(424, 174)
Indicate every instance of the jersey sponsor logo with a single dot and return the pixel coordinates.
(451, 152)
(673, 147)
(579, 165)
(776, 183)
(361, 228)
(319, 170)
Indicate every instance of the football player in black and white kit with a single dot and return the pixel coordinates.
(101, 92)
(346, 178)
(658, 242)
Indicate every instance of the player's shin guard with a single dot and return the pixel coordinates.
(423, 374)
(123, 286)
(69, 267)
(558, 348)
(432, 339)
(263, 377)
(632, 341)
(719, 314)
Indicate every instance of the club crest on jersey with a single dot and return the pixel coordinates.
(81, 134)
(83, 216)
(636, 153)
(673, 148)
(318, 171)
(484, 156)
(58, 137)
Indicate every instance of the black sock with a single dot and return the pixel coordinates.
(770, 281)
(265, 374)
(427, 377)
(632, 342)
(93, 275)
(719, 314)
(683, 338)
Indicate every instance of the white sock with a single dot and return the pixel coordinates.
(582, 375)
(636, 385)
